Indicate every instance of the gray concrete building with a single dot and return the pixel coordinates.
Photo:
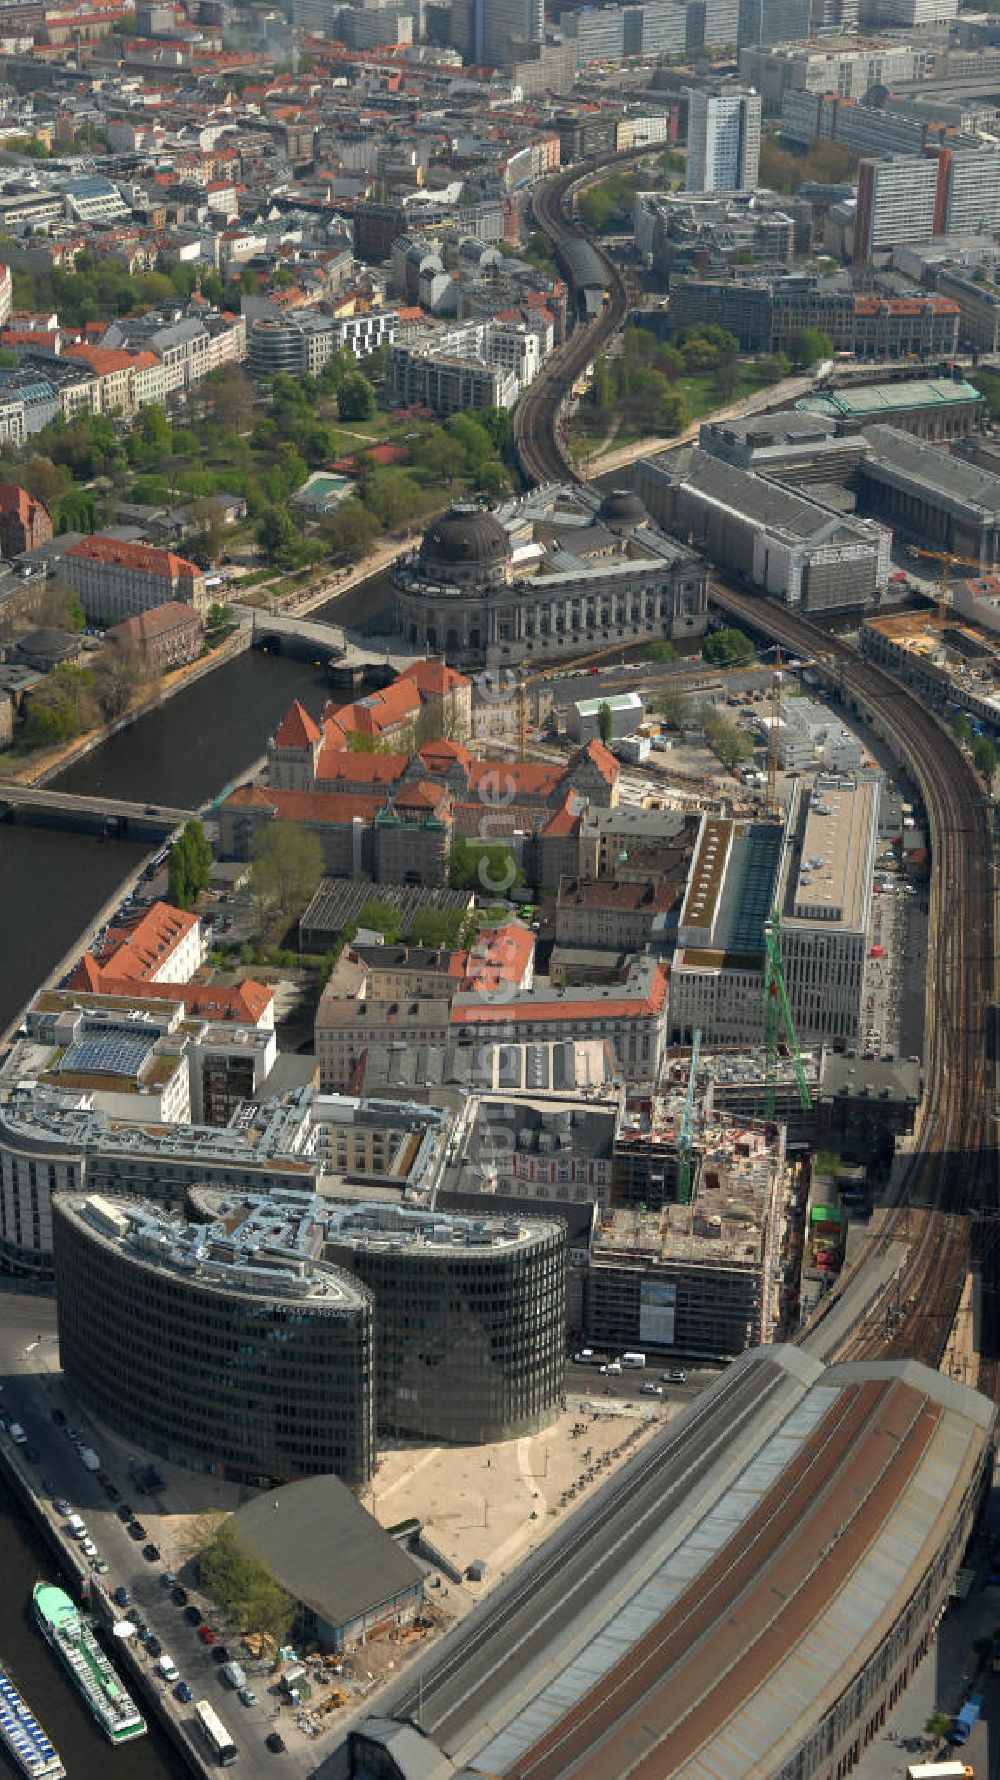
(776, 540)
(944, 502)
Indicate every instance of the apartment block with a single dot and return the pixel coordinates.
(116, 580)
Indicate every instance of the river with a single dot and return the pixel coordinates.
(52, 882)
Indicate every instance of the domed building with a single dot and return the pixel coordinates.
(562, 572)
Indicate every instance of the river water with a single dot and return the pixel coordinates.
(53, 881)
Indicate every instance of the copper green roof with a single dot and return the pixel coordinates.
(875, 400)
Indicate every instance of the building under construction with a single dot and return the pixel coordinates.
(697, 1280)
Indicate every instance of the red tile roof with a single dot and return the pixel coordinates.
(602, 758)
(245, 1003)
(297, 729)
(343, 766)
(334, 807)
(143, 558)
(140, 947)
(434, 678)
(502, 782)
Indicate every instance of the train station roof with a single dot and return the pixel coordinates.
(766, 1591)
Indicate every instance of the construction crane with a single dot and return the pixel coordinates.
(546, 673)
(948, 561)
(684, 1135)
(778, 1012)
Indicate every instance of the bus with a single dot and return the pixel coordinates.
(215, 1734)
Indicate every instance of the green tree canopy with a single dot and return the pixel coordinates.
(190, 866)
(809, 347)
(487, 866)
(382, 917)
(355, 397)
(984, 756)
(728, 648)
(244, 1587)
(605, 722)
(287, 867)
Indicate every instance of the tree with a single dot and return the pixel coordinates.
(277, 536)
(209, 516)
(728, 378)
(485, 865)
(59, 607)
(250, 1597)
(605, 722)
(394, 496)
(231, 397)
(984, 757)
(355, 398)
(442, 456)
(190, 866)
(349, 531)
(728, 648)
(673, 707)
(441, 927)
(808, 347)
(727, 740)
(287, 867)
(382, 917)
(961, 728)
(116, 676)
(662, 651)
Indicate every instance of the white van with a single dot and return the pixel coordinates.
(76, 1526)
(638, 1361)
(168, 1668)
(18, 1434)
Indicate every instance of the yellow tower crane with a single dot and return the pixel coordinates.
(948, 561)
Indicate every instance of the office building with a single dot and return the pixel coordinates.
(906, 13)
(723, 140)
(767, 313)
(912, 198)
(824, 903)
(847, 67)
(469, 1318)
(231, 1345)
(765, 22)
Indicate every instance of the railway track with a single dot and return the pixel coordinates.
(540, 454)
(951, 1171)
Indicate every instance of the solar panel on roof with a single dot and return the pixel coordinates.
(107, 1054)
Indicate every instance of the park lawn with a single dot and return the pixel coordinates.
(704, 397)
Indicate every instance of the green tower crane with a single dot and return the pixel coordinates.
(777, 1012)
(684, 1136)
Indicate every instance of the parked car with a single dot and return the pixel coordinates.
(220, 1655)
(192, 1614)
(206, 1634)
(168, 1579)
(137, 1531)
(61, 1506)
(676, 1375)
(152, 1644)
(112, 1491)
(99, 1566)
(275, 1742)
(179, 1596)
(183, 1693)
(151, 1553)
(247, 1697)
(122, 1596)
